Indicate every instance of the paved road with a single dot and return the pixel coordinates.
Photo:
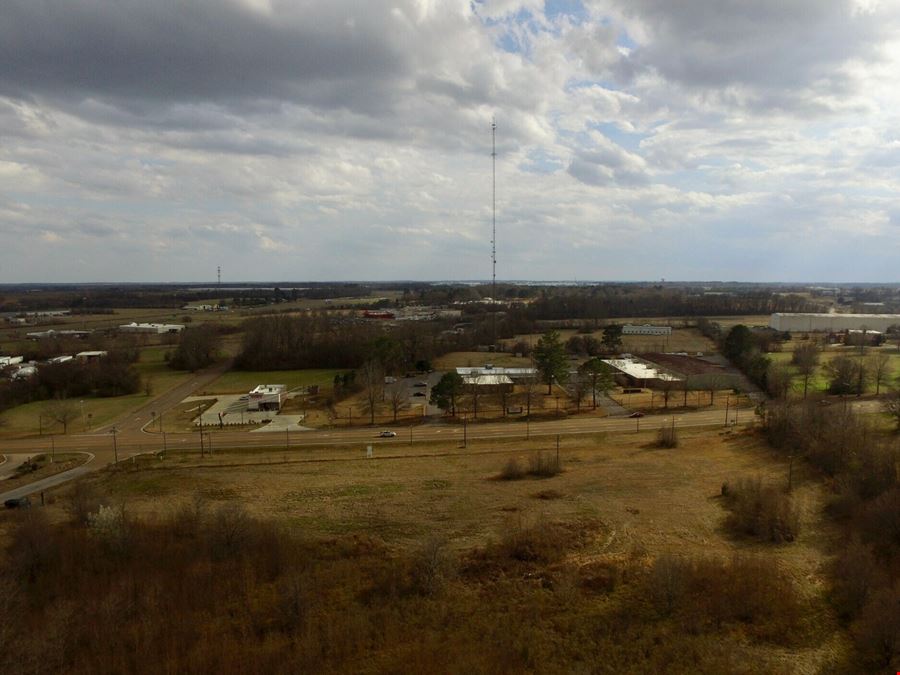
(131, 442)
(137, 419)
(49, 482)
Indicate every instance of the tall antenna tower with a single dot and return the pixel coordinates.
(494, 230)
(219, 275)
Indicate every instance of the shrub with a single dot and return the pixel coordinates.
(512, 470)
(544, 465)
(540, 465)
(704, 593)
(110, 525)
(667, 437)
(761, 511)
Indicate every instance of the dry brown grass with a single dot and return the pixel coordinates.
(570, 561)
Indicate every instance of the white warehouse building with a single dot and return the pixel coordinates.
(152, 328)
(832, 322)
(646, 329)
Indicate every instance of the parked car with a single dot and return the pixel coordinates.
(420, 384)
(388, 434)
(420, 393)
(17, 503)
(636, 413)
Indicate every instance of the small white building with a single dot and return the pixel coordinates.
(152, 328)
(266, 397)
(60, 359)
(646, 329)
(89, 357)
(10, 361)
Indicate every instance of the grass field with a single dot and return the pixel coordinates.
(818, 384)
(464, 359)
(650, 498)
(31, 419)
(240, 381)
(681, 340)
(626, 501)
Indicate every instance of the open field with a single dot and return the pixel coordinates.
(649, 498)
(570, 559)
(240, 381)
(30, 420)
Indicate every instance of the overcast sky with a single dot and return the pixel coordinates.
(348, 139)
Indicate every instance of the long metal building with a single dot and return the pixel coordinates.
(832, 322)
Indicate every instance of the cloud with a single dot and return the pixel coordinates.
(330, 140)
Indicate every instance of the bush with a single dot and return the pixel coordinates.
(544, 465)
(763, 512)
(705, 593)
(667, 437)
(512, 470)
(540, 465)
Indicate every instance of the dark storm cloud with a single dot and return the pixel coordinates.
(194, 50)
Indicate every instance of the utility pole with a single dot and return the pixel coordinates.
(115, 431)
(727, 399)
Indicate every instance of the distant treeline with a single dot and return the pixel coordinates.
(609, 301)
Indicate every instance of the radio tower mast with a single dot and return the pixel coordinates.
(219, 275)
(493, 233)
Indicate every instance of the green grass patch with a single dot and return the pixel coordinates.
(241, 381)
(30, 419)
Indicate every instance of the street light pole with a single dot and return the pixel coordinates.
(115, 431)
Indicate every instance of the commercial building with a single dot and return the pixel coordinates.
(514, 374)
(646, 329)
(266, 397)
(47, 334)
(636, 372)
(832, 323)
(152, 328)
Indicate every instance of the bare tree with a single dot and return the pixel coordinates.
(474, 390)
(580, 387)
(778, 380)
(61, 410)
(396, 395)
(372, 380)
(600, 376)
(880, 368)
(668, 387)
(530, 385)
(806, 359)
